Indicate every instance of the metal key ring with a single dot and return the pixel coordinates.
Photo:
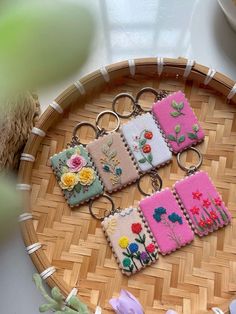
(75, 138)
(123, 95)
(192, 168)
(106, 213)
(102, 131)
(146, 90)
(156, 182)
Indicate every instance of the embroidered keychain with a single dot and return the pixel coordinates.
(178, 122)
(142, 134)
(199, 199)
(130, 239)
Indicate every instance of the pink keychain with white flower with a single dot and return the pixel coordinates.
(199, 199)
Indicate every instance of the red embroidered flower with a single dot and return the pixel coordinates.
(218, 201)
(209, 222)
(202, 223)
(213, 215)
(197, 195)
(146, 148)
(136, 228)
(148, 135)
(195, 210)
(206, 203)
(150, 248)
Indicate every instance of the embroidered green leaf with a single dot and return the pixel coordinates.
(142, 160)
(171, 137)
(150, 158)
(180, 106)
(112, 154)
(69, 153)
(105, 149)
(195, 127)
(142, 141)
(175, 114)
(181, 139)
(177, 128)
(77, 187)
(192, 136)
(137, 240)
(64, 169)
(174, 104)
(110, 141)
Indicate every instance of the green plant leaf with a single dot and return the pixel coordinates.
(195, 127)
(46, 307)
(137, 240)
(175, 114)
(171, 137)
(180, 105)
(181, 139)
(192, 136)
(78, 187)
(174, 104)
(150, 158)
(56, 294)
(142, 161)
(75, 303)
(177, 128)
(69, 153)
(142, 141)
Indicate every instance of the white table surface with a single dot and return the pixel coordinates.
(196, 29)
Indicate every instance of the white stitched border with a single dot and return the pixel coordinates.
(27, 157)
(56, 107)
(232, 92)
(33, 247)
(131, 67)
(47, 272)
(209, 76)
(23, 187)
(105, 74)
(38, 132)
(73, 292)
(25, 216)
(80, 87)
(160, 65)
(188, 68)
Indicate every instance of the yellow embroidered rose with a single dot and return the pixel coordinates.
(68, 180)
(123, 242)
(86, 176)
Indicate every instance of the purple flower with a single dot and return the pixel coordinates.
(126, 304)
(144, 256)
(171, 312)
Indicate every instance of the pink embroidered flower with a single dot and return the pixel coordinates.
(209, 222)
(135, 148)
(213, 215)
(206, 203)
(197, 195)
(218, 201)
(195, 210)
(76, 163)
(202, 223)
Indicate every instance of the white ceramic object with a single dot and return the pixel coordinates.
(229, 9)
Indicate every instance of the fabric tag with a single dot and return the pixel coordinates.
(178, 122)
(130, 240)
(75, 175)
(166, 221)
(202, 203)
(146, 142)
(113, 162)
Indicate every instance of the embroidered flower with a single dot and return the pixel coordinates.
(195, 210)
(133, 247)
(201, 223)
(148, 135)
(76, 162)
(218, 201)
(146, 148)
(174, 217)
(136, 138)
(68, 180)
(197, 195)
(206, 203)
(158, 212)
(209, 221)
(144, 256)
(106, 168)
(86, 176)
(213, 215)
(135, 148)
(136, 228)
(118, 171)
(150, 248)
(126, 262)
(123, 242)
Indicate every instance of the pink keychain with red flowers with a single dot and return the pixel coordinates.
(199, 199)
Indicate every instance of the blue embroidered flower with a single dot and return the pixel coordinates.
(118, 171)
(133, 247)
(174, 217)
(158, 212)
(106, 168)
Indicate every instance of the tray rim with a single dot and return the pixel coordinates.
(102, 76)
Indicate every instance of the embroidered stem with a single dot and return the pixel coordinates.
(143, 243)
(175, 238)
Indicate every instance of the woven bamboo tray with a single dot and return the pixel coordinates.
(190, 280)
